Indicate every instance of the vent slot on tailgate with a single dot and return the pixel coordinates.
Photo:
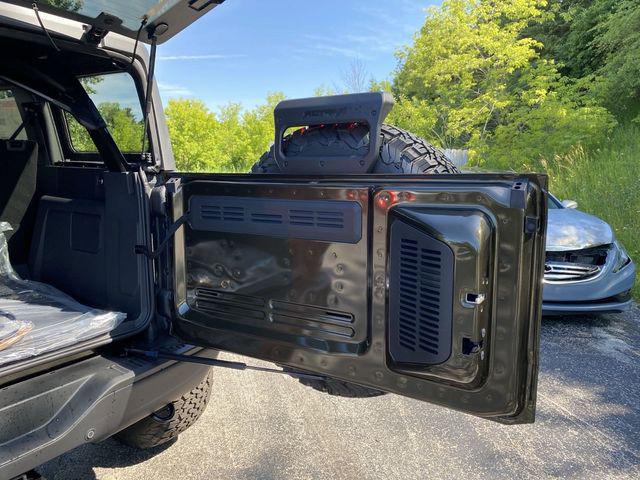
(330, 220)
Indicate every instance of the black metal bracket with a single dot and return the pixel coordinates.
(531, 224)
(214, 362)
(100, 26)
(367, 108)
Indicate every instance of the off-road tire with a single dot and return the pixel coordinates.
(401, 152)
(171, 420)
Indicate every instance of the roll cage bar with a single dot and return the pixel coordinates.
(52, 83)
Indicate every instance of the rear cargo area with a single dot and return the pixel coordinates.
(68, 269)
(36, 318)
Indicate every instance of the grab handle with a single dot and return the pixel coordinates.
(365, 108)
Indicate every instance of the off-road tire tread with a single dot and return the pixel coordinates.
(401, 152)
(151, 432)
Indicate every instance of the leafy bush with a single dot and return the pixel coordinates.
(121, 122)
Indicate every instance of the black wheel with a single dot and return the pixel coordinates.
(168, 422)
(401, 152)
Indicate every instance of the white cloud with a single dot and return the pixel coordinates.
(331, 46)
(171, 90)
(380, 42)
(200, 57)
(332, 49)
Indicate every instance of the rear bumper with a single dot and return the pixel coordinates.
(50, 414)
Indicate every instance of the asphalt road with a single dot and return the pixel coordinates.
(267, 427)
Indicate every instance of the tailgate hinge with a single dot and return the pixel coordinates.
(531, 224)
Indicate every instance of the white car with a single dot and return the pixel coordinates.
(586, 269)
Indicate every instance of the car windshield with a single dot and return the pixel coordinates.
(554, 202)
(130, 12)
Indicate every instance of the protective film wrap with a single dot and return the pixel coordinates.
(36, 318)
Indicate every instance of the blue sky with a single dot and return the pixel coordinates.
(244, 49)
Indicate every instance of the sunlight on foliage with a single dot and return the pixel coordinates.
(472, 80)
(604, 182)
(121, 122)
(230, 140)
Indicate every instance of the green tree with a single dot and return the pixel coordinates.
(596, 42)
(618, 42)
(121, 122)
(231, 140)
(472, 79)
(71, 5)
(191, 127)
(123, 125)
(548, 117)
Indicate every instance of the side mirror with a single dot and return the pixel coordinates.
(569, 204)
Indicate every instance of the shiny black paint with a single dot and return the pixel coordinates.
(323, 306)
(469, 231)
(298, 291)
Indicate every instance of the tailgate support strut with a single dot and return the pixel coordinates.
(214, 362)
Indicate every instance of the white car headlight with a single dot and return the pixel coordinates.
(621, 256)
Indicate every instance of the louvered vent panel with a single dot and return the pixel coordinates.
(420, 296)
(331, 220)
(272, 218)
(317, 218)
(222, 213)
(274, 314)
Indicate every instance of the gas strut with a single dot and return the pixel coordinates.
(214, 362)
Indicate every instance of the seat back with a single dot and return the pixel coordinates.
(84, 244)
(18, 172)
(68, 248)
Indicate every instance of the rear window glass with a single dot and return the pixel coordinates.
(10, 118)
(117, 99)
(129, 11)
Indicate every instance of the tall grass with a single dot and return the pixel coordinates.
(605, 182)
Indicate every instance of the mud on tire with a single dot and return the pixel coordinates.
(171, 420)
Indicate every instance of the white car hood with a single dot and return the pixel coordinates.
(570, 229)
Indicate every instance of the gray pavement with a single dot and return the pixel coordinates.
(267, 427)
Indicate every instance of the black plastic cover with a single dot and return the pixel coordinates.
(368, 108)
(421, 272)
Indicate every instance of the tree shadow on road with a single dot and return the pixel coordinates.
(79, 464)
(590, 384)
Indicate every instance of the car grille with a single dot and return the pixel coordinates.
(575, 265)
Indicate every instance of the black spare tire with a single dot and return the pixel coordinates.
(401, 152)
